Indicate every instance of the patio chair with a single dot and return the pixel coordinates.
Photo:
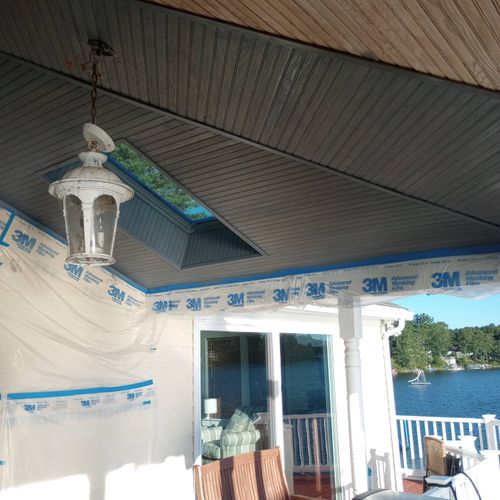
(435, 456)
(439, 465)
(251, 476)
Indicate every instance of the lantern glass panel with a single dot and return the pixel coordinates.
(74, 224)
(103, 228)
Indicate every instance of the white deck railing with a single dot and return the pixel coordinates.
(312, 450)
(412, 429)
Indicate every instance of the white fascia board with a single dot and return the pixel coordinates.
(310, 319)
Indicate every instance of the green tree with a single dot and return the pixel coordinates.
(158, 182)
(478, 343)
(422, 342)
(408, 350)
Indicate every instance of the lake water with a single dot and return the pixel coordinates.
(468, 393)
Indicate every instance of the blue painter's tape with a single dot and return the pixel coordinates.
(34, 222)
(389, 259)
(77, 392)
(122, 277)
(6, 230)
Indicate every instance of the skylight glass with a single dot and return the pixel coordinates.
(156, 181)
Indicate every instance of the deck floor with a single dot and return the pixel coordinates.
(307, 485)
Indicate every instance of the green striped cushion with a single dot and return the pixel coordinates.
(212, 450)
(238, 422)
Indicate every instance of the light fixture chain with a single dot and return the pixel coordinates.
(93, 93)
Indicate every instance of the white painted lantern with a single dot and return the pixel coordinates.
(91, 196)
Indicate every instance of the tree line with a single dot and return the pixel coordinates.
(424, 342)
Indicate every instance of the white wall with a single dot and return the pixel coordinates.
(376, 406)
(173, 373)
(169, 474)
(122, 456)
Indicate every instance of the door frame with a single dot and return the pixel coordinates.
(273, 324)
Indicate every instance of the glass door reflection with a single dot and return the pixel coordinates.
(305, 372)
(234, 393)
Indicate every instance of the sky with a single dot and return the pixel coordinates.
(457, 312)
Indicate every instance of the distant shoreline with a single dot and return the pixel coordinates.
(444, 370)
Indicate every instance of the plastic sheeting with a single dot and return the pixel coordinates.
(76, 348)
(85, 324)
(474, 275)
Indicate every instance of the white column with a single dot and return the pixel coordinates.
(351, 331)
(280, 436)
(387, 331)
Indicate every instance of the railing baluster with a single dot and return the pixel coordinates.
(412, 447)
(419, 440)
(403, 444)
(301, 443)
(461, 428)
(480, 428)
(327, 441)
(453, 434)
(308, 442)
(497, 434)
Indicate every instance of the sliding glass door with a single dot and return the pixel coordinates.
(234, 392)
(266, 389)
(307, 414)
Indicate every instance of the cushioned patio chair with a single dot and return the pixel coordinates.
(238, 436)
(251, 476)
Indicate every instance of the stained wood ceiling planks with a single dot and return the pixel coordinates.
(454, 39)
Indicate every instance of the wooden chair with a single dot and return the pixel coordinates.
(435, 456)
(252, 476)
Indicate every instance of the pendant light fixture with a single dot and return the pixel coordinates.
(91, 195)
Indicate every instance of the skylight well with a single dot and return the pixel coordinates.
(152, 178)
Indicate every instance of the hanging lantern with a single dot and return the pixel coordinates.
(91, 195)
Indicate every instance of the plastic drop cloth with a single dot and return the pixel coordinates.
(76, 347)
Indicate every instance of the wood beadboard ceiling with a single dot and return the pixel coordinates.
(454, 39)
(316, 157)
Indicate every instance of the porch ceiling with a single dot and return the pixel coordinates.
(452, 39)
(314, 157)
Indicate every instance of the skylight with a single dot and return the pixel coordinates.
(132, 163)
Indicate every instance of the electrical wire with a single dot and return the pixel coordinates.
(472, 482)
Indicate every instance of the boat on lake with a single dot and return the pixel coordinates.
(419, 379)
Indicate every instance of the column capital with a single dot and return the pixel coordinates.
(350, 320)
